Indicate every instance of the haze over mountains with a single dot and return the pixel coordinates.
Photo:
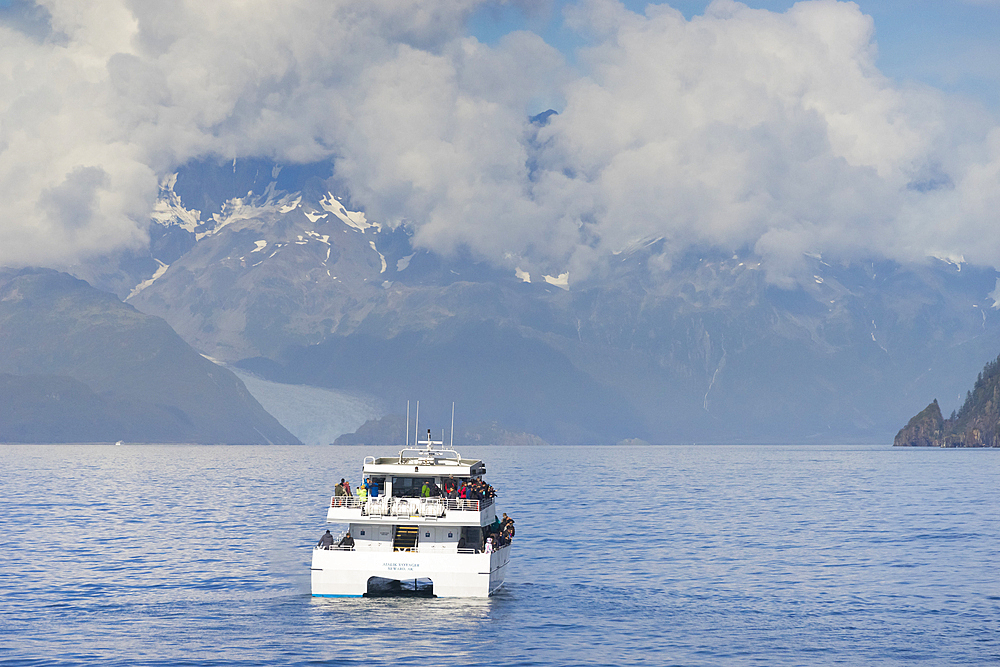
(271, 270)
(77, 365)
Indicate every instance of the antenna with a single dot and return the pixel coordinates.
(416, 427)
(407, 423)
(452, 445)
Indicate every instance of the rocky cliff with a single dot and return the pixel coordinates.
(976, 424)
(924, 430)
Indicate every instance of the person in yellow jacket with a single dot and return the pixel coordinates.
(362, 493)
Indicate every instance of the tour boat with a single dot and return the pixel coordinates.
(407, 542)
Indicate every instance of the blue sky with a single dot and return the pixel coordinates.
(953, 45)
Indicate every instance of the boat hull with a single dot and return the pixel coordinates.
(338, 573)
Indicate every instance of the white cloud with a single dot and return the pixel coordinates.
(129, 89)
(740, 128)
(750, 128)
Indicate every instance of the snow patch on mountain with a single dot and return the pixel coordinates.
(291, 206)
(995, 295)
(956, 260)
(404, 262)
(380, 255)
(355, 219)
(561, 281)
(316, 236)
(249, 207)
(169, 210)
(637, 244)
(146, 283)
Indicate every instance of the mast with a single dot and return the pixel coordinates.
(416, 427)
(407, 423)
(452, 445)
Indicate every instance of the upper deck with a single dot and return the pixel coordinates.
(426, 461)
(413, 485)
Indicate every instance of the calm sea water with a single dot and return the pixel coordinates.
(700, 555)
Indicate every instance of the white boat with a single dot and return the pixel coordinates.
(405, 543)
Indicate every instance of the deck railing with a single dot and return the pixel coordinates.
(336, 544)
(392, 506)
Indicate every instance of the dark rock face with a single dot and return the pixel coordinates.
(78, 365)
(924, 430)
(976, 424)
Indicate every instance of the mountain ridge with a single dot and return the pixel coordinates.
(703, 349)
(80, 365)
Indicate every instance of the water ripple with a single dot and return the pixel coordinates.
(167, 555)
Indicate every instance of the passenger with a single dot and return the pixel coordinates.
(461, 542)
(339, 489)
(362, 493)
(326, 541)
(347, 488)
(425, 491)
(489, 544)
(346, 541)
(372, 489)
(463, 492)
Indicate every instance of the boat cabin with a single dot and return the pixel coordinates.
(413, 504)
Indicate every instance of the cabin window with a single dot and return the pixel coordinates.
(408, 487)
(362, 532)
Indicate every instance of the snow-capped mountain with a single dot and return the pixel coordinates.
(276, 271)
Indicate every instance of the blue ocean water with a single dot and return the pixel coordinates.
(680, 555)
